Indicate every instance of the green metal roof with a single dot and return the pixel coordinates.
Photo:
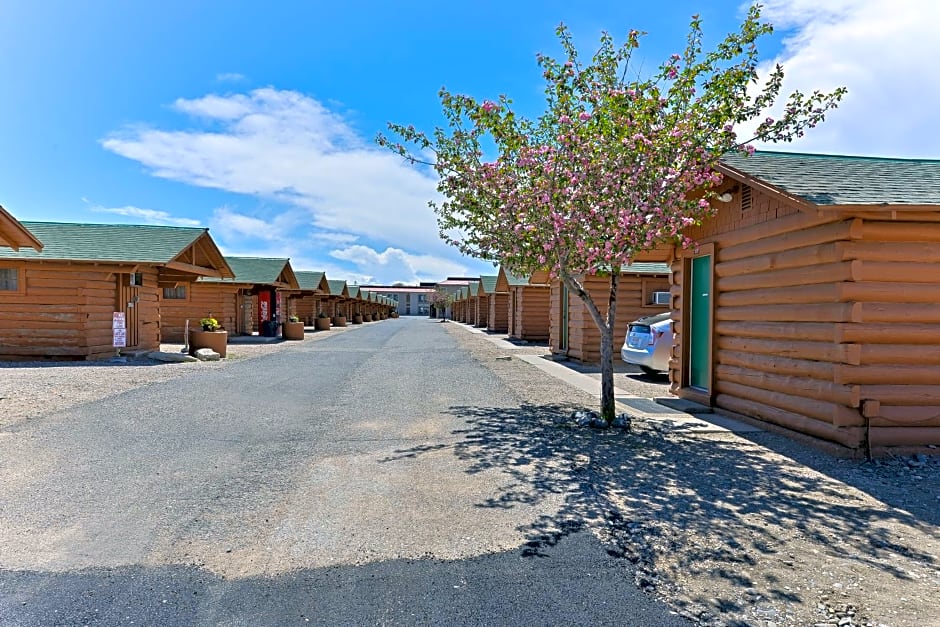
(257, 270)
(308, 279)
(473, 289)
(353, 290)
(642, 267)
(336, 286)
(488, 283)
(844, 180)
(513, 280)
(126, 243)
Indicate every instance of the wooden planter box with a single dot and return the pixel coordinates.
(293, 331)
(321, 324)
(338, 321)
(216, 340)
(357, 319)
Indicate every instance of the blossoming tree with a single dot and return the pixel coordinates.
(441, 299)
(616, 165)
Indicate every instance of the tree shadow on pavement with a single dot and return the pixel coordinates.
(682, 507)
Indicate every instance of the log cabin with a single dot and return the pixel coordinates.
(337, 301)
(252, 296)
(305, 302)
(478, 305)
(14, 235)
(572, 331)
(528, 306)
(496, 304)
(460, 304)
(63, 299)
(812, 302)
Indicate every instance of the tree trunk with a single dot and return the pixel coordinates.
(606, 327)
(608, 405)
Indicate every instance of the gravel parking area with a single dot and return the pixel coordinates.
(29, 389)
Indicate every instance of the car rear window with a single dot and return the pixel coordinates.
(639, 328)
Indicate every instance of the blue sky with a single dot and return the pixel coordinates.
(257, 119)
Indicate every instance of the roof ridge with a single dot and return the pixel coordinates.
(121, 224)
(786, 153)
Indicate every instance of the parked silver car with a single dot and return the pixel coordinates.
(649, 343)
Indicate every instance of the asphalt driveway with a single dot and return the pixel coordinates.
(314, 485)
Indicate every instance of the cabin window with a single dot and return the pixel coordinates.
(174, 293)
(9, 280)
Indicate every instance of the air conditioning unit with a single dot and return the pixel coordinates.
(662, 298)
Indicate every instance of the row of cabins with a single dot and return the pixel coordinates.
(811, 303)
(61, 284)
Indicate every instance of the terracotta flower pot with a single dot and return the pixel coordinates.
(357, 318)
(216, 340)
(321, 324)
(293, 331)
(367, 317)
(338, 321)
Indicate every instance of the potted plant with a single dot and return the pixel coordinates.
(211, 336)
(339, 320)
(322, 323)
(367, 317)
(357, 318)
(293, 329)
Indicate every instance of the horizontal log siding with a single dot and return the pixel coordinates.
(202, 301)
(898, 333)
(530, 320)
(497, 317)
(66, 311)
(779, 300)
(584, 338)
(827, 328)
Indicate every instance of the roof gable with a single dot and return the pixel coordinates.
(338, 287)
(261, 271)
(14, 235)
(309, 280)
(488, 283)
(505, 280)
(834, 180)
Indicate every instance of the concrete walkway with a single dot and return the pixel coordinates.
(665, 414)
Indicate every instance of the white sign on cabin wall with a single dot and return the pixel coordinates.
(119, 329)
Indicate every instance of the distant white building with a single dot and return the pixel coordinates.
(413, 300)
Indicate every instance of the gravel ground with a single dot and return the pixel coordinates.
(29, 389)
(729, 530)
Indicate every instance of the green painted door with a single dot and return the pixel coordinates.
(700, 323)
(563, 336)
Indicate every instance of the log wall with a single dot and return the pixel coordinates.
(65, 311)
(825, 325)
(529, 312)
(497, 318)
(202, 299)
(584, 338)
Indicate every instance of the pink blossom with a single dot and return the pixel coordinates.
(584, 116)
(489, 106)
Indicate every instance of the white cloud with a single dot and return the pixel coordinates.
(148, 216)
(884, 53)
(394, 264)
(290, 148)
